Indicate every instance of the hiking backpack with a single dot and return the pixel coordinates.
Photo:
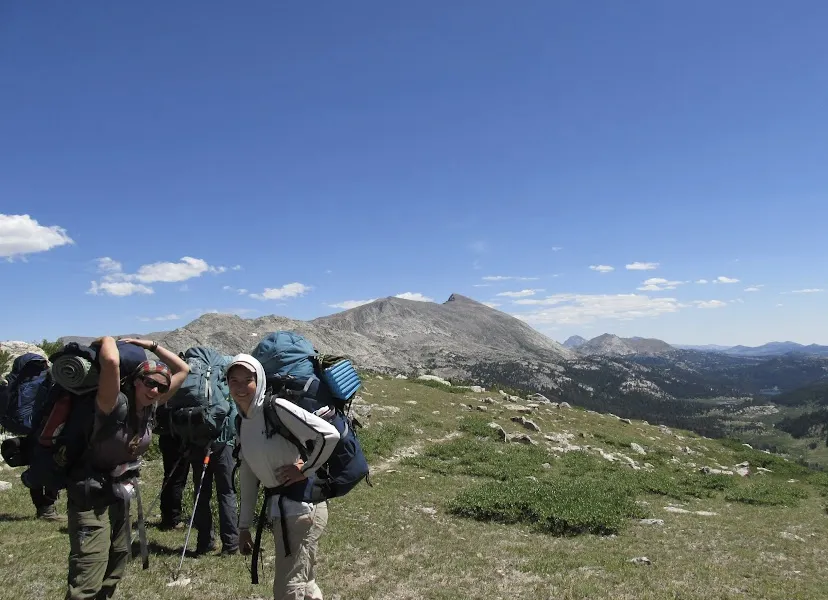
(199, 409)
(64, 423)
(321, 384)
(24, 393)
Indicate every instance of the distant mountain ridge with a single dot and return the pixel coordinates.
(612, 345)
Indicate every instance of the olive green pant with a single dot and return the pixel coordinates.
(98, 551)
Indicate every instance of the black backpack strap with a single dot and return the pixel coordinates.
(142, 529)
(257, 543)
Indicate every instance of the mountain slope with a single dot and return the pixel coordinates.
(575, 341)
(392, 334)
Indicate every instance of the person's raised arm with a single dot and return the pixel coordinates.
(178, 367)
(109, 375)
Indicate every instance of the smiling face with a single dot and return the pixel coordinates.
(242, 384)
(148, 388)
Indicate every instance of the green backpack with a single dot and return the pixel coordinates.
(199, 410)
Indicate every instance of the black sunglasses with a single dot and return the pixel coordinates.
(152, 384)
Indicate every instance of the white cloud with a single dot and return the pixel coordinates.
(710, 303)
(168, 272)
(491, 304)
(702, 281)
(722, 279)
(118, 288)
(415, 296)
(351, 303)
(579, 309)
(227, 288)
(507, 278)
(520, 294)
(602, 268)
(481, 285)
(115, 282)
(659, 284)
(290, 290)
(754, 288)
(556, 248)
(236, 268)
(170, 317)
(808, 291)
(108, 265)
(21, 235)
(642, 266)
(241, 291)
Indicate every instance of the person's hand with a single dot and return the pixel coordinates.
(290, 474)
(245, 541)
(145, 344)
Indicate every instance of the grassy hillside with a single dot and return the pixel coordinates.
(457, 512)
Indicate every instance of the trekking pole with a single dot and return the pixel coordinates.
(204, 466)
(163, 485)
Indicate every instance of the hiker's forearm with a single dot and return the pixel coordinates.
(249, 488)
(109, 379)
(172, 360)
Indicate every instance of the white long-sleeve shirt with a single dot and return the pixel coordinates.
(262, 456)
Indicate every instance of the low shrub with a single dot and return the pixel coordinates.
(767, 492)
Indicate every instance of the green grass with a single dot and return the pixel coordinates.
(469, 516)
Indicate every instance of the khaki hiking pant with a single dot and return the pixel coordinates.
(98, 551)
(295, 577)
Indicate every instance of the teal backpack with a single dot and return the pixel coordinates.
(199, 409)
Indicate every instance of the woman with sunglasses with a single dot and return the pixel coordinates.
(97, 505)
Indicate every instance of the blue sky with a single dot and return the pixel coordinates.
(160, 160)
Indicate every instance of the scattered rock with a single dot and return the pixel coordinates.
(762, 470)
(538, 398)
(791, 536)
(4, 486)
(627, 421)
(748, 446)
(523, 438)
(518, 408)
(677, 510)
(641, 560)
(638, 449)
(501, 433)
(712, 471)
(653, 522)
(477, 389)
(428, 510)
(411, 402)
(530, 425)
(533, 405)
(180, 582)
(564, 405)
(546, 466)
(483, 408)
(488, 400)
(400, 376)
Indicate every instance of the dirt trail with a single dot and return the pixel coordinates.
(409, 451)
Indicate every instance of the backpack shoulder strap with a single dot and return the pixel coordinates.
(274, 425)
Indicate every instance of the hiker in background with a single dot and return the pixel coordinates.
(99, 528)
(45, 500)
(276, 463)
(176, 468)
(220, 470)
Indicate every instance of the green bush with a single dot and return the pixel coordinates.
(558, 507)
(6, 360)
(442, 386)
(767, 492)
(477, 426)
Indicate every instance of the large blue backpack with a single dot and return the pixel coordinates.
(198, 411)
(26, 389)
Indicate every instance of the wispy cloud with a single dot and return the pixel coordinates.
(118, 288)
(754, 288)
(479, 246)
(602, 268)
(642, 266)
(658, 284)
(508, 278)
(230, 288)
(702, 281)
(345, 305)
(556, 248)
(236, 268)
(579, 309)
(520, 294)
(21, 235)
(170, 317)
(290, 290)
(492, 304)
(415, 296)
(723, 279)
(710, 303)
(808, 291)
